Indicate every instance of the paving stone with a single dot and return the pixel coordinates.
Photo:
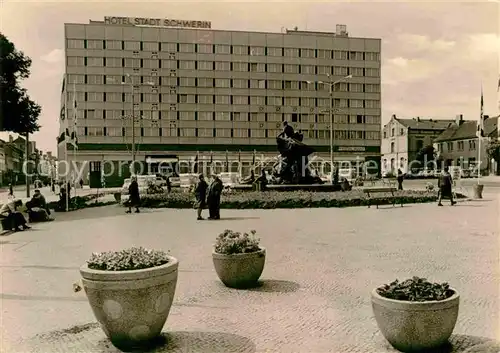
(315, 289)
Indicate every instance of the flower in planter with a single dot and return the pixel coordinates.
(128, 259)
(230, 242)
(415, 290)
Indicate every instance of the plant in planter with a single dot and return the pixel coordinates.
(415, 315)
(130, 292)
(238, 258)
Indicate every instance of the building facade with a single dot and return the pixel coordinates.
(459, 146)
(403, 139)
(215, 94)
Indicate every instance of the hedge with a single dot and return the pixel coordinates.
(80, 202)
(291, 199)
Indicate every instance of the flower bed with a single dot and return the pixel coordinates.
(80, 202)
(284, 199)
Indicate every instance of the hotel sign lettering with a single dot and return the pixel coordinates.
(351, 149)
(158, 22)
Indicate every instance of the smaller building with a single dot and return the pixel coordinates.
(458, 145)
(403, 139)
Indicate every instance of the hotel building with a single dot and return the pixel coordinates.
(216, 94)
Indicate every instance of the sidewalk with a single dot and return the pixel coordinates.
(320, 268)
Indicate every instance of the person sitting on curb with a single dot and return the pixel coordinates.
(38, 210)
(11, 218)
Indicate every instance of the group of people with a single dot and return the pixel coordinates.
(208, 196)
(13, 219)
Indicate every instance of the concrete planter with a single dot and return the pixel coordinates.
(131, 306)
(239, 270)
(415, 326)
(477, 190)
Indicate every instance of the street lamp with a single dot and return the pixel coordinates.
(131, 83)
(331, 85)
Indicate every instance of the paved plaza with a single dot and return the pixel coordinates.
(315, 295)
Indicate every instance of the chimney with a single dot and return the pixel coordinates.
(11, 139)
(418, 118)
(459, 119)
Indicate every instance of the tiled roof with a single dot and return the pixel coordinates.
(427, 124)
(468, 130)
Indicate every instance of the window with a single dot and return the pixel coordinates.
(187, 132)
(240, 50)
(186, 116)
(169, 47)
(373, 135)
(257, 51)
(132, 45)
(241, 67)
(205, 82)
(293, 101)
(257, 100)
(341, 103)
(369, 56)
(274, 68)
(132, 62)
(341, 119)
(275, 51)
(113, 62)
(324, 54)
(222, 83)
(392, 147)
(187, 82)
(75, 43)
(205, 99)
(275, 100)
(460, 146)
(169, 64)
(291, 52)
(401, 132)
(307, 102)
(340, 55)
(223, 132)
(323, 102)
(186, 48)
(274, 84)
(94, 44)
(355, 55)
(371, 119)
(449, 146)
(113, 44)
(356, 71)
(356, 87)
(257, 67)
(150, 64)
(291, 84)
(95, 131)
(205, 116)
(258, 133)
(372, 88)
(168, 98)
(205, 65)
(340, 71)
(258, 117)
(222, 49)
(324, 70)
(307, 53)
(240, 83)
(76, 61)
(149, 98)
(323, 118)
(114, 131)
(222, 65)
(258, 84)
(307, 69)
(240, 116)
(342, 87)
(372, 72)
(187, 64)
(291, 69)
(392, 132)
(205, 48)
(205, 132)
(150, 46)
(372, 104)
(240, 100)
(308, 86)
(94, 97)
(223, 116)
(472, 145)
(73, 78)
(113, 97)
(185, 98)
(222, 100)
(307, 118)
(241, 133)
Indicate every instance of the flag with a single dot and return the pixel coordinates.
(227, 162)
(239, 156)
(71, 134)
(253, 158)
(211, 157)
(195, 166)
(480, 126)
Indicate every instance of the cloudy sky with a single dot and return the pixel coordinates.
(435, 55)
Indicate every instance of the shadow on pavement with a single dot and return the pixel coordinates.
(275, 286)
(236, 218)
(189, 341)
(463, 344)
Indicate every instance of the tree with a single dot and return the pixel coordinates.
(426, 154)
(493, 150)
(18, 113)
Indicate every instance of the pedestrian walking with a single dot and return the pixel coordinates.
(169, 184)
(81, 183)
(134, 196)
(213, 198)
(11, 191)
(445, 183)
(200, 193)
(400, 179)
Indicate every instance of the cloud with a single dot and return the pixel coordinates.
(419, 43)
(404, 70)
(54, 56)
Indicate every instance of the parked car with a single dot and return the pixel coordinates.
(143, 180)
(229, 179)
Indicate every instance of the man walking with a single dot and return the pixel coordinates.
(200, 194)
(134, 196)
(213, 199)
(400, 179)
(445, 183)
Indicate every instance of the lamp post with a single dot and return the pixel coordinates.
(331, 85)
(131, 83)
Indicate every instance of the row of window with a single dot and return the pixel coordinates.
(204, 82)
(210, 132)
(221, 66)
(222, 49)
(471, 144)
(172, 116)
(154, 82)
(116, 97)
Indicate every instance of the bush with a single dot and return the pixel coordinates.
(415, 290)
(229, 243)
(128, 259)
(290, 199)
(79, 202)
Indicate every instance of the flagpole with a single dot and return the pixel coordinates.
(75, 115)
(479, 137)
(66, 115)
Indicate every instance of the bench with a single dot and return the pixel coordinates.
(379, 190)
